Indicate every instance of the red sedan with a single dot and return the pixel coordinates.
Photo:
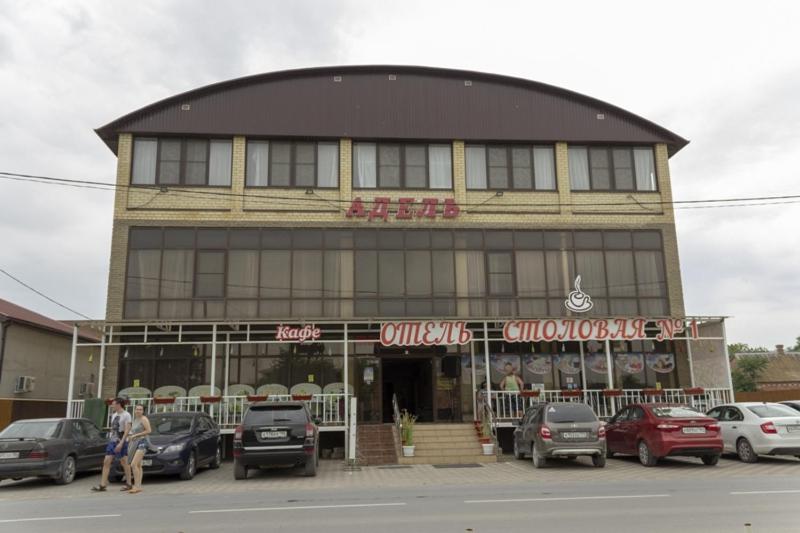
(656, 430)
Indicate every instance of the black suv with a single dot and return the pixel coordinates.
(276, 433)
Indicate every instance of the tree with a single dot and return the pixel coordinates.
(740, 347)
(796, 347)
(747, 371)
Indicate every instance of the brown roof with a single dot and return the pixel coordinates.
(781, 368)
(363, 102)
(21, 315)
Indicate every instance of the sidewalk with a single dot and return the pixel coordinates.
(333, 475)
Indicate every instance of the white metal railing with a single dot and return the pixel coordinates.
(228, 411)
(509, 405)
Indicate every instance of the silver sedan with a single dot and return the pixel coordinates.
(750, 429)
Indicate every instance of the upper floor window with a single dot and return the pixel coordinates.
(174, 161)
(612, 168)
(292, 164)
(517, 167)
(402, 166)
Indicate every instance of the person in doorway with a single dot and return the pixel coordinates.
(117, 447)
(138, 445)
(511, 382)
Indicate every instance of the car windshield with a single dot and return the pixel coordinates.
(170, 425)
(30, 430)
(267, 414)
(770, 411)
(675, 412)
(570, 413)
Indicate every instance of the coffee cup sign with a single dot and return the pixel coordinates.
(578, 301)
(299, 334)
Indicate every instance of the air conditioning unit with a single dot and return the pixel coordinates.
(86, 389)
(24, 384)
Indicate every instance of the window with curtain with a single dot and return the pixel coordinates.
(510, 167)
(174, 161)
(301, 164)
(144, 161)
(210, 275)
(402, 166)
(611, 168)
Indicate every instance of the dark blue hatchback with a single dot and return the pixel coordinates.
(181, 443)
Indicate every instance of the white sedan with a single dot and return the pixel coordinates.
(751, 429)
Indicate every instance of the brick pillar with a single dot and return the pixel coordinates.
(562, 178)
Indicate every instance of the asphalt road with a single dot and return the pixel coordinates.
(725, 505)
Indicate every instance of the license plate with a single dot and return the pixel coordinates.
(793, 429)
(575, 435)
(694, 431)
(147, 462)
(273, 434)
(9, 455)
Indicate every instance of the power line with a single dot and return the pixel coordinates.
(315, 199)
(43, 295)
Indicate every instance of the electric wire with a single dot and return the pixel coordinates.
(43, 295)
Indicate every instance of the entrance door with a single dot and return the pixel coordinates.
(410, 380)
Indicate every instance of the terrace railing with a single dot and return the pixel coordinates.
(508, 406)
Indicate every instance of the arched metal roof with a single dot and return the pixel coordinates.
(391, 102)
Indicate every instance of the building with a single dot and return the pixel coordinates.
(782, 372)
(34, 364)
(393, 232)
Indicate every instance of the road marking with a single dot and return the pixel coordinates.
(571, 498)
(744, 493)
(298, 508)
(59, 518)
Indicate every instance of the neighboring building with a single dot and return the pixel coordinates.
(782, 371)
(369, 200)
(34, 364)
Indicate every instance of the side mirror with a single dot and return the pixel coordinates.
(104, 434)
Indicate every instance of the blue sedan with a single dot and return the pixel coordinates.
(181, 443)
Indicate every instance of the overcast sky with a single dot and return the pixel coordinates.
(725, 75)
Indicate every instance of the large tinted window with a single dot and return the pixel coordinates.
(564, 413)
(675, 412)
(265, 415)
(170, 425)
(175, 161)
(612, 168)
(31, 430)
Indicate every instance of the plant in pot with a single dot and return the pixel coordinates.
(407, 421)
(486, 438)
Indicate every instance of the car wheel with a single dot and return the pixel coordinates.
(746, 452)
(539, 461)
(190, 469)
(609, 453)
(518, 454)
(311, 465)
(239, 470)
(66, 473)
(710, 460)
(217, 458)
(599, 460)
(646, 456)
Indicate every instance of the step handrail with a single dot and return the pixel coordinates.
(398, 438)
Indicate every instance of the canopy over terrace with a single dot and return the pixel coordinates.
(564, 357)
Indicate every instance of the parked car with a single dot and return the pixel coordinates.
(560, 429)
(656, 430)
(750, 429)
(794, 404)
(182, 442)
(55, 448)
(273, 434)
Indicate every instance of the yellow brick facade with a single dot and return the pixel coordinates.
(238, 206)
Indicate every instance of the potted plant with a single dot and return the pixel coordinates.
(612, 393)
(530, 393)
(164, 399)
(302, 397)
(210, 399)
(407, 421)
(652, 392)
(694, 391)
(257, 397)
(571, 393)
(486, 438)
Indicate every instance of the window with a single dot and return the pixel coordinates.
(171, 161)
(516, 167)
(402, 166)
(210, 277)
(501, 274)
(618, 168)
(292, 164)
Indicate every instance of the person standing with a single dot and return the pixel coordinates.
(139, 443)
(512, 383)
(117, 447)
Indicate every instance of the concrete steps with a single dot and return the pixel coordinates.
(446, 444)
